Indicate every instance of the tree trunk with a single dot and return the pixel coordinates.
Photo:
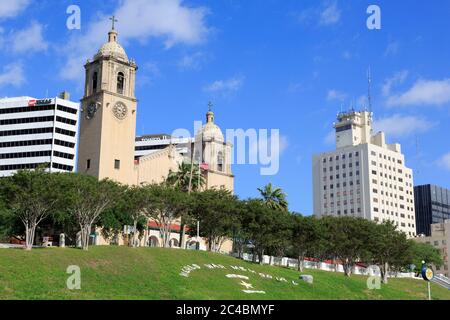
(134, 245)
(85, 232)
(261, 254)
(29, 236)
(300, 264)
(384, 272)
(347, 269)
(182, 235)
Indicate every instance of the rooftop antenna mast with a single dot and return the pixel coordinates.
(369, 90)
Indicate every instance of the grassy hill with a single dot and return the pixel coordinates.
(149, 273)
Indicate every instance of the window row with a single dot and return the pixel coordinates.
(26, 120)
(31, 154)
(342, 156)
(344, 175)
(344, 166)
(344, 202)
(27, 109)
(385, 157)
(12, 144)
(25, 131)
(67, 109)
(22, 166)
(62, 167)
(61, 143)
(63, 155)
(344, 184)
(65, 132)
(66, 121)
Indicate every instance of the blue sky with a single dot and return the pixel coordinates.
(289, 65)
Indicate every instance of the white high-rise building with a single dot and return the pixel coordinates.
(36, 133)
(364, 177)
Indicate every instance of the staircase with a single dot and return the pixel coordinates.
(441, 280)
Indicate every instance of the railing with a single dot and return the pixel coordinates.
(441, 280)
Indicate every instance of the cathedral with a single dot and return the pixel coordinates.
(107, 144)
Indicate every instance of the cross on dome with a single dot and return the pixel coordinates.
(114, 20)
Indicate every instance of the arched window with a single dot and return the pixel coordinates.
(220, 161)
(120, 82)
(94, 82)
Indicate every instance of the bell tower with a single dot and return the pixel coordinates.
(108, 117)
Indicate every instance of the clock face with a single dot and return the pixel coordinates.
(120, 110)
(91, 110)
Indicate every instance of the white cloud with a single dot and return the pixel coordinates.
(11, 8)
(28, 40)
(225, 86)
(401, 126)
(392, 49)
(397, 78)
(330, 15)
(13, 75)
(139, 20)
(326, 14)
(192, 61)
(444, 161)
(423, 92)
(336, 95)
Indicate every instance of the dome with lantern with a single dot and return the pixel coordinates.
(112, 48)
(210, 131)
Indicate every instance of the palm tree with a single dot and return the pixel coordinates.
(274, 197)
(187, 178)
(182, 177)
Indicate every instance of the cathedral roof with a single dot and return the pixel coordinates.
(112, 48)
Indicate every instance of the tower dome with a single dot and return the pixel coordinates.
(210, 131)
(112, 48)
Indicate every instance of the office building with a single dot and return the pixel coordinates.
(432, 204)
(38, 132)
(364, 177)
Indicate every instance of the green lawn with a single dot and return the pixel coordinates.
(148, 273)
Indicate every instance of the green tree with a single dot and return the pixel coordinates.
(134, 203)
(388, 248)
(304, 237)
(425, 252)
(347, 240)
(260, 223)
(165, 205)
(214, 209)
(87, 199)
(188, 178)
(275, 198)
(31, 196)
